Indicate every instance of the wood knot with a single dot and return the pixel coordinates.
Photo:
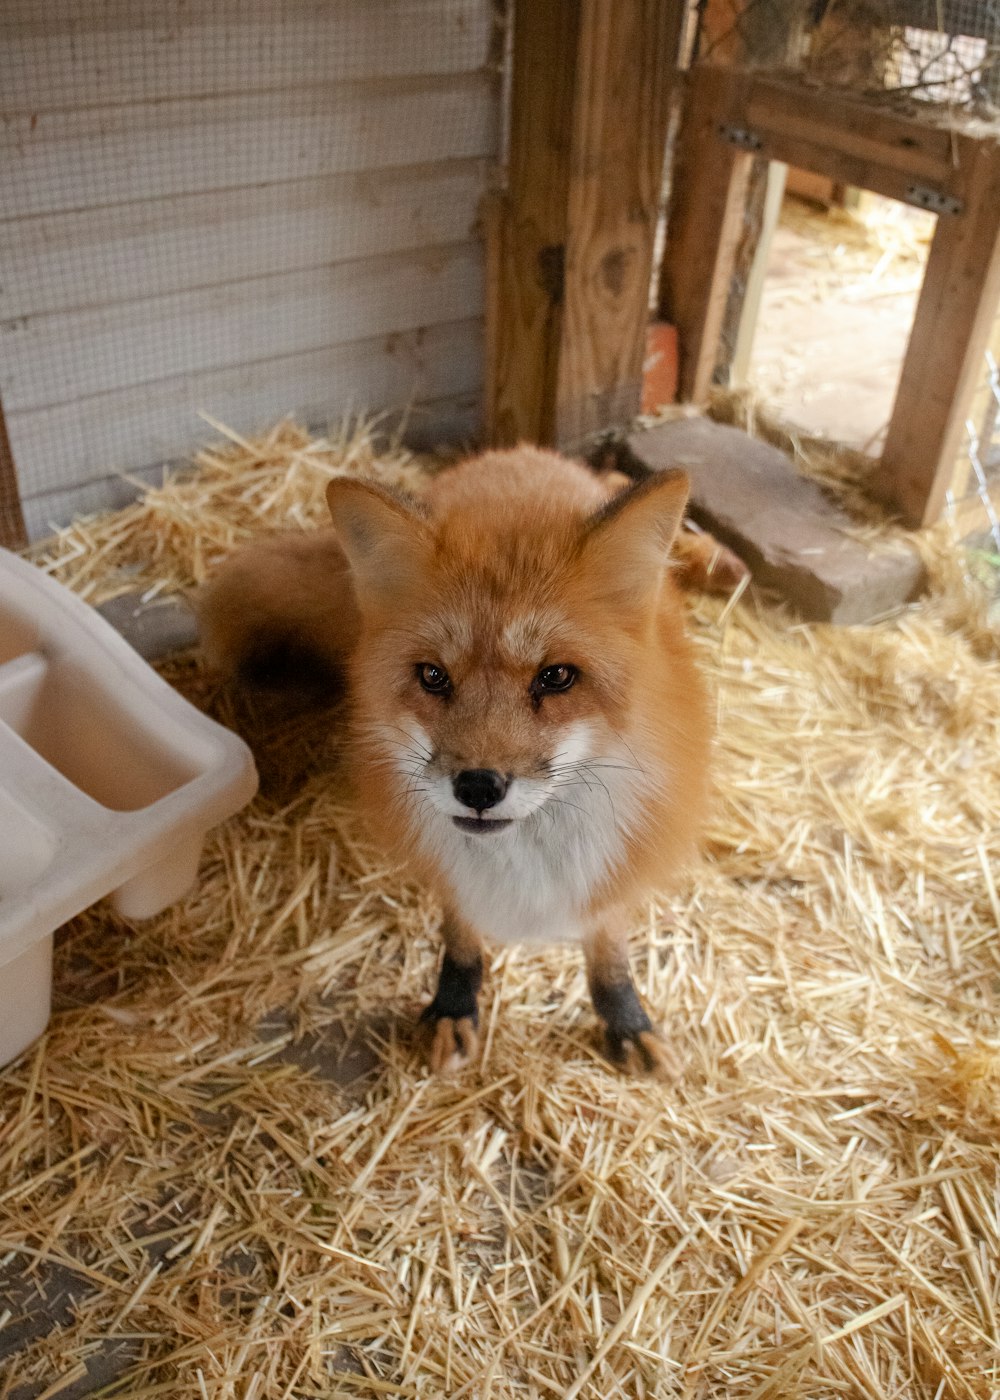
(552, 271)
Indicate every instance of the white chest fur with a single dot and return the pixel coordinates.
(567, 833)
(534, 880)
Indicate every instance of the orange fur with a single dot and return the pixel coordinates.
(515, 561)
(286, 596)
(703, 563)
(505, 543)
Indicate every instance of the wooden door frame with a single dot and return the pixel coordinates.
(732, 118)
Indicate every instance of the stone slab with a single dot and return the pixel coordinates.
(156, 628)
(796, 541)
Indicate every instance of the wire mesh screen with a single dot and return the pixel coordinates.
(242, 207)
(945, 51)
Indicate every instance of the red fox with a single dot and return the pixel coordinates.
(528, 728)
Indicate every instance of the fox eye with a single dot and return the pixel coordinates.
(553, 679)
(434, 679)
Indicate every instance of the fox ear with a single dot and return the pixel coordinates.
(382, 532)
(627, 543)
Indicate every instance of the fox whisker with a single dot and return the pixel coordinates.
(413, 744)
(561, 802)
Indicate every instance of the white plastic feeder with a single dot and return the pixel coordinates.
(109, 781)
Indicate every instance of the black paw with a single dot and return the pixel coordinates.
(457, 995)
(631, 1040)
(453, 1015)
(451, 1044)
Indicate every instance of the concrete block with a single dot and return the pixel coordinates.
(796, 541)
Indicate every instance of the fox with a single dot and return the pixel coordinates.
(527, 727)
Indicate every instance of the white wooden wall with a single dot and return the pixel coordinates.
(244, 207)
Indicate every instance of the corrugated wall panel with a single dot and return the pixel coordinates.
(100, 156)
(67, 355)
(83, 53)
(90, 257)
(250, 208)
(159, 423)
(454, 419)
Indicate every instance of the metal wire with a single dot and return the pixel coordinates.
(982, 485)
(982, 447)
(937, 50)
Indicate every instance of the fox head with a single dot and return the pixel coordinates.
(508, 657)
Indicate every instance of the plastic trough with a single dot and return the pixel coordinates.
(109, 782)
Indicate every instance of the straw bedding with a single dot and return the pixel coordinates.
(228, 1173)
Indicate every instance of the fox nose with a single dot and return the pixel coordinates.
(479, 788)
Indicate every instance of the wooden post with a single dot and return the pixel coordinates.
(590, 100)
(951, 330)
(774, 192)
(12, 532)
(740, 35)
(704, 228)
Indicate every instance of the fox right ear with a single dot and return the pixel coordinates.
(382, 532)
(627, 544)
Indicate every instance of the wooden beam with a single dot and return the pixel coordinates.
(835, 132)
(831, 134)
(951, 330)
(12, 532)
(704, 226)
(590, 98)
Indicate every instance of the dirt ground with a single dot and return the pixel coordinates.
(836, 313)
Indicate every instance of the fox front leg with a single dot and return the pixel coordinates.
(452, 1019)
(631, 1039)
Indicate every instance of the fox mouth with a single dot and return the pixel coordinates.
(481, 826)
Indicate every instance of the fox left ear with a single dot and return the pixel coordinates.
(627, 543)
(383, 533)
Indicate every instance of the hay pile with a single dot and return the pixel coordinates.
(224, 1191)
